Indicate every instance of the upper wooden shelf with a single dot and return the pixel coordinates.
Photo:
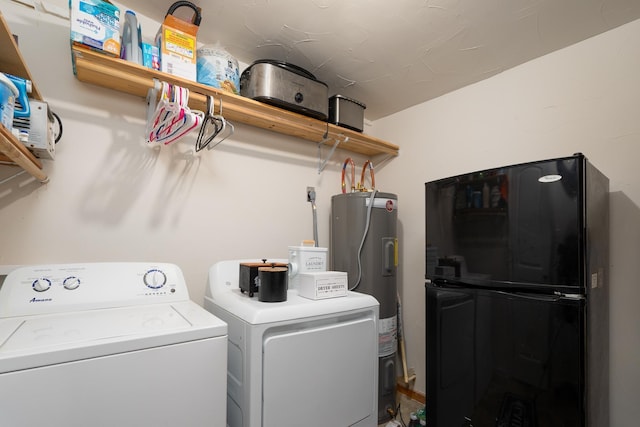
(13, 151)
(102, 70)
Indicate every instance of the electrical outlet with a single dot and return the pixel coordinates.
(311, 194)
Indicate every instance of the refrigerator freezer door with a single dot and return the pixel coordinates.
(496, 358)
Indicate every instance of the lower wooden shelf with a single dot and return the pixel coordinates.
(14, 152)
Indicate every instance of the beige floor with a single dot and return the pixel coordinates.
(407, 406)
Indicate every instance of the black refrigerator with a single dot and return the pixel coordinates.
(517, 299)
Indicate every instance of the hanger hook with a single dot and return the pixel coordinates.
(210, 105)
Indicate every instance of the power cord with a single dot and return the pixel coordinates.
(394, 422)
(399, 413)
(364, 236)
(59, 133)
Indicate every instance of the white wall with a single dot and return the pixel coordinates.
(112, 199)
(585, 98)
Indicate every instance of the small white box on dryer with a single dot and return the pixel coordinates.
(323, 284)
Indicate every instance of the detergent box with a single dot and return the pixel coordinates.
(176, 41)
(96, 24)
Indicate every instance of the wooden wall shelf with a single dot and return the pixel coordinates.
(102, 70)
(13, 151)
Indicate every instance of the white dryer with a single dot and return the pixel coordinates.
(108, 344)
(297, 362)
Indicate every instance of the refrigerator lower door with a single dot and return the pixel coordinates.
(503, 359)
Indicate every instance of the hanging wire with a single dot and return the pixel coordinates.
(59, 133)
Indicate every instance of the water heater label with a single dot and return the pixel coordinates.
(387, 336)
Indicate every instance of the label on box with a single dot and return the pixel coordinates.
(321, 285)
(327, 288)
(178, 53)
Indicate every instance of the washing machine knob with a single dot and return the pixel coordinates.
(41, 285)
(155, 279)
(71, 283)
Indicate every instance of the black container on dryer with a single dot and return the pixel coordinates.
(364, 243)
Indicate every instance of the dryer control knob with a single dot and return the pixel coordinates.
(41, 285)
(155, 279)
(71, 283)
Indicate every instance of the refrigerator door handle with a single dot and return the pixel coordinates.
(557, 296)
(575, 297)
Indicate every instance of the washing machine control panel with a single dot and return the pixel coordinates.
(155, 278)
(64, 287)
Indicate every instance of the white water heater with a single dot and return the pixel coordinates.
(364, 243)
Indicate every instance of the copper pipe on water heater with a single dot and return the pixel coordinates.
(364, 169)
(353, 174)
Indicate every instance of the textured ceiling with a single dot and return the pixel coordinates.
(391, 55)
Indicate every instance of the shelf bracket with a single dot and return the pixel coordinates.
(381, 161)
(323, 163)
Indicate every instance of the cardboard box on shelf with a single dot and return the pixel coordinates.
(176, 41)
(150, 56)
(96, 24)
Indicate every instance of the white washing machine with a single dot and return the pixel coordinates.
(108, 344)
(298, 362)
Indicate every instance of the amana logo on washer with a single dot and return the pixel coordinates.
(34, 299)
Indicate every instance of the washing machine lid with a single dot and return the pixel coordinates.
(223, 292)
(42, 340)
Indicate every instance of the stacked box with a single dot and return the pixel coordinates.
(323, 284)
(96, 24)
(150, 56)
(176, 41)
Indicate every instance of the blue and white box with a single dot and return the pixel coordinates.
(96, 24)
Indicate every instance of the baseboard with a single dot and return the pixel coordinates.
(412, 394)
